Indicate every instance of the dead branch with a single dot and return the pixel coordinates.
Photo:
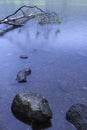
(15, 19)
(20, 20)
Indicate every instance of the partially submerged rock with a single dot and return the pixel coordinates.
(23, 56)
(77, 115)
(22, 75)
(30, 106)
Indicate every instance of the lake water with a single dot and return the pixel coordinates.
(57, 58)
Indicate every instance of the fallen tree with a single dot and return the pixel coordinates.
(25, 13)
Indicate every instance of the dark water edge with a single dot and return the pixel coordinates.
(58, 62)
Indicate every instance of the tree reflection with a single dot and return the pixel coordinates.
(46, 31)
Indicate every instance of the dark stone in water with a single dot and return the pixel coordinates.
(24, 57)
(22, 75)
(77, 115)
(30, 106)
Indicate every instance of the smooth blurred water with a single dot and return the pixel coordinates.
(57, 58)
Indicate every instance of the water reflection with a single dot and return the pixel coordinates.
(45, 30)
(6, 29)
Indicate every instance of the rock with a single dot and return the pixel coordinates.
(30, 106)
(41, 126)
(24, 57)
(22, 75)
(77, 115)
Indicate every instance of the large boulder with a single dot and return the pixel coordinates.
(22, 75)
(77, 115)
(30, 106)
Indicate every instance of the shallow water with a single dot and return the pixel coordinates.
(57, 58)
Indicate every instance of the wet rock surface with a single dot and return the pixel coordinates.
(30, 106)
(77, 115)
(22, 75)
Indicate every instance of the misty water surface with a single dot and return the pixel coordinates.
(57, 58)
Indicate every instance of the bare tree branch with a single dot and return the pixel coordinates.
(18, 20)
(11, 20)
